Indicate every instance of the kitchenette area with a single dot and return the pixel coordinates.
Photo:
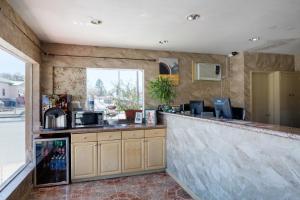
(99, 153)
(93, 109)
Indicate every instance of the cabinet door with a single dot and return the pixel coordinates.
(83, 160)
(155, 153)
(132, 155)
(109, 157)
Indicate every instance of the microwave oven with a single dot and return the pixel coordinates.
(83, 119)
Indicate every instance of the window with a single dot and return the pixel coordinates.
(115, 90)
(12, 117)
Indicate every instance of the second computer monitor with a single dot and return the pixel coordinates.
(223, 108)
(196, 107)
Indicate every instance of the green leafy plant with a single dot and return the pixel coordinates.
(127, 98)
(162, 89)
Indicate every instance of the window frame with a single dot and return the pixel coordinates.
(30, 64)
(122, 69)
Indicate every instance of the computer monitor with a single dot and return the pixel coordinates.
(196, 107)
(238, 113)
(223, 107)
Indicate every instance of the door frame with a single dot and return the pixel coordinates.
(251, 92)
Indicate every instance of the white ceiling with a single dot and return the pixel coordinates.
(224, 26)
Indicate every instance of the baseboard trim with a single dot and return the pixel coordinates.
(192, 194)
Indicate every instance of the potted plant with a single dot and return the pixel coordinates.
(163, 90)
(130, 107)
(128, 101)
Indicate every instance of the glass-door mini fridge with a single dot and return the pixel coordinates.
(51, 161)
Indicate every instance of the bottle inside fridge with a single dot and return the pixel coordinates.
(52, 161)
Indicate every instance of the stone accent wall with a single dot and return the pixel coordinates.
(187, 90)
(70, 80)
(220, 162)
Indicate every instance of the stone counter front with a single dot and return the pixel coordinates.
(215, 160)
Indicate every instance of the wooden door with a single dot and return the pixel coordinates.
(154, 153)
(260, 92)
(109, 157)
(83, 160)
(289, 99)
(132, 155)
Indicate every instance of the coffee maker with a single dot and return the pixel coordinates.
(55, 118)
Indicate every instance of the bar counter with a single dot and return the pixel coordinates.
(230, 159)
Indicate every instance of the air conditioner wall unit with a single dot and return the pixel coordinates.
(207, 71)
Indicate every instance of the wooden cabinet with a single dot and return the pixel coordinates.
(111, 153)
(109, 157)
(155, 149)
(83, 160)
(133, 155)
(154, 153)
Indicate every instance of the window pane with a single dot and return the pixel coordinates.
(12, 116)
(115, 90)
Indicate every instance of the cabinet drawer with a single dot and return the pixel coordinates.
(155, 133)
(105, 136)
(132, 134)
(84, 137)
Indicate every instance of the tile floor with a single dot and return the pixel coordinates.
(158, 186)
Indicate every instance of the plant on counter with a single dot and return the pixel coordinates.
(162, 89)
(127, 100)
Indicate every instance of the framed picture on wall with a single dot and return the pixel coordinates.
(150, 117)
(138, 118)
(169, 68)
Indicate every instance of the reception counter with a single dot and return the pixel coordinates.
(230, 159)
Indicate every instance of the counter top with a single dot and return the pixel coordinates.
(272, 129)
(127, 127)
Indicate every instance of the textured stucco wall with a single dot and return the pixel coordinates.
(237, 80)
(219, 162)
(11, 34)
(187, 90)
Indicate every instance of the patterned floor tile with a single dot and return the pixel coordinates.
(158, 186)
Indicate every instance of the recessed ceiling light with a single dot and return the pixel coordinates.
(254, 39)
(96, 22)
(193, 17)
(163, 42)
